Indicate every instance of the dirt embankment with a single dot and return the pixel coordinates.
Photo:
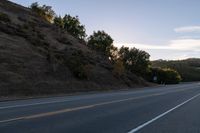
(37, 58)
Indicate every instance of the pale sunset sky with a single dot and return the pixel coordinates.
(166, 29)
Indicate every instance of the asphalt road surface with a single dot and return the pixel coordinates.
(164, 109)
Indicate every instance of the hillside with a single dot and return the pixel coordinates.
(189, 69)
(37, 58)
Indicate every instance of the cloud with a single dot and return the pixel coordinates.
(185, 44)
(173, 50)
(187, 29)
(179, 44)
(140, 46)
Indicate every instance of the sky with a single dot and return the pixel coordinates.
(166, 29)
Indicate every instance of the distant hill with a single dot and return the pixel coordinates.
(189, 69)
(36, 57)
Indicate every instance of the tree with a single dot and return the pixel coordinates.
(35, 7)
(166, 75)
(74, 27)
(100, 41)
(172, 76)
(135, 60)
(58, 21)
(113, 54)
(44, 11)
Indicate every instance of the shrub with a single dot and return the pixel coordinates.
(4, 17)
(58, 21)
(100, 41)
(171, 76)
(74, 27)
(44, 11)
(188, 69)
(118, 69)
(166, 76)
(77, 67)
(135, 60)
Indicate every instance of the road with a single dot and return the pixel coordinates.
(164, 109)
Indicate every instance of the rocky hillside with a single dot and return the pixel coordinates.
(38, 58)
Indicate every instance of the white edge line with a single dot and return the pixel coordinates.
(161, 115)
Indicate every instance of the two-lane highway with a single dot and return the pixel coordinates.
(165, 109)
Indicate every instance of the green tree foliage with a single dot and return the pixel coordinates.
(58, 21)
(44, 11)
(189, 69)
(135, 60)
(4, 17)
(101, 41)
(166, 75)
(74, 27)
(113, 54)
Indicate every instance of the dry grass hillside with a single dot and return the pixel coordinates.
(37, 58)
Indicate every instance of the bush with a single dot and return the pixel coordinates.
(135, 60)
(100, 41)
(165, 76)
(77, 67)
(188, 69)
(74, 27)
(44, 11)
(58, 21)
(118, 69)
(4, 17)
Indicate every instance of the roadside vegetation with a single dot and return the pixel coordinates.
(44, 11)
(72, 25)
(4, 17)
(124, 59)
(189, 69)
(165, 76)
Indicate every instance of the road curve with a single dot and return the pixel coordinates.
(164, 109)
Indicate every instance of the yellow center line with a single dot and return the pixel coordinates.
(40, 115)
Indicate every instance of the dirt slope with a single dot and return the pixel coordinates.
(35, 58)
